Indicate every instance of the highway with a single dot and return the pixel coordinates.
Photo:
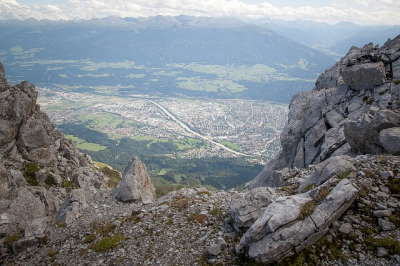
(188, 129)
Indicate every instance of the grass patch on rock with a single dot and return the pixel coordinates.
(309, 187)
(395, 219)
(290, 189)
(322, 193)
(216, 212)
(394, 185)
(201, 193)
(307, 209)
(369, 231)
(89, 238)
(10, 239)
(180, 203)
(391, 244)
(52, 253)
(68, 184)
(198, 218)
(368, 100)
(104, 229)
(113, 175)
(30, 171)
(133, 219)
(50, 180)
(108, 243)
(344, 174)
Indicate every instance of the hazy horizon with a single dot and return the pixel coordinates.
(366, 12)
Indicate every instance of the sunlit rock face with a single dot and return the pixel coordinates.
(351, 104)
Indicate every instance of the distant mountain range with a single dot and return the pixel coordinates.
(334, 39)
(195, 56)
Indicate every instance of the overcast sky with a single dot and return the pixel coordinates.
(331, 11)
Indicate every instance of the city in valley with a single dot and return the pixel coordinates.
(173, 128)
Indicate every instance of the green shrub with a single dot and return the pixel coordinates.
(397, 81)
(368, 100)
(61, 225)
(217, 212)
(170, 221)
(108, 243)
(164, 189)
(52, 252)
(50, 181)
(395, 219)
(10, 239)
(309, 187)
(198, 218)
(103, 229)
(394, 185)
(389, 243)
(68, 184)
(134, 219)
(369, 231)
(113, 175)
(30, 171)
(180, 203)
(201, 193)
(290, 189)
(344, 174)
(89, 238)
(322, 193)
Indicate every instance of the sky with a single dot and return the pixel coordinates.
(370, 12)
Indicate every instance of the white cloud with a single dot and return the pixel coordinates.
(358, 11)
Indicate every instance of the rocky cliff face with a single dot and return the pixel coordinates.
(41, 173)
(353, 109)
(335, 185)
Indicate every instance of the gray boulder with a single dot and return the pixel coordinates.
(327, 169)
(72, 208)
(135, 184)
(364, 135)
(246, 207)
(390, 140)
(290, 224)
(333, 118)
(364, 76)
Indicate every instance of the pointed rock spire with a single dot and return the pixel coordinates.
(135, 184)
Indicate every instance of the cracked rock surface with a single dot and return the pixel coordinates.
(353, 109)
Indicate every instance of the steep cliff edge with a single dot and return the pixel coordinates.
(332, 194)
(40, 171)
(353, 109)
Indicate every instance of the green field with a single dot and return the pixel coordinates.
(86, 146)
(210, 85)
(160, 156)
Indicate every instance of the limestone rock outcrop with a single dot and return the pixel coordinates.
(247, 207)
(352, 113)
(290, 224)
(40, 170)
(351, 104)
(135, 184)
